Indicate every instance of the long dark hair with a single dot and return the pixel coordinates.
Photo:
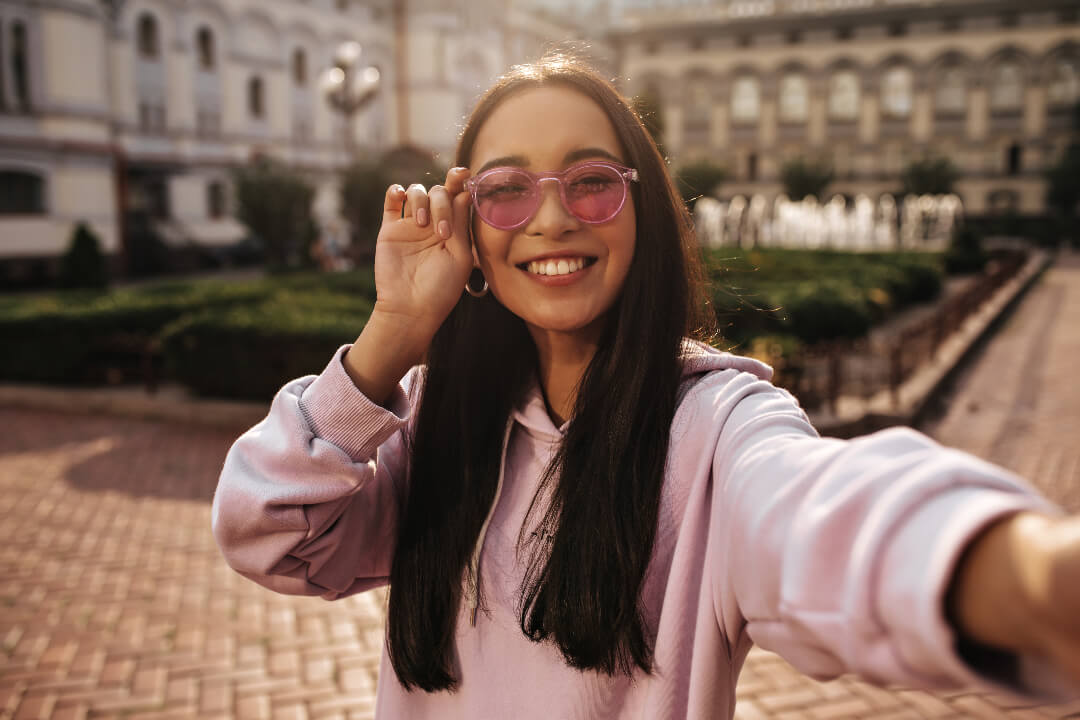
(598, 501)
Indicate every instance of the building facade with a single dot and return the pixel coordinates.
(130, 115)
(864, 85)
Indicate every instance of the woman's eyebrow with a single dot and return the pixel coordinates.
(572, 156)
(514, 160)
(588, 153)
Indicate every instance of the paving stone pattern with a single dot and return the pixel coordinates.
(114, 601)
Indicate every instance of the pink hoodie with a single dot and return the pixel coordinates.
(834, 554)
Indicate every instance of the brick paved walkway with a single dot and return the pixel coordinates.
(114, 602)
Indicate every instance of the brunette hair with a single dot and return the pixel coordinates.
(600, 495)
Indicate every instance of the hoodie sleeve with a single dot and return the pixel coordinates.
(837, 554)
(308, 499)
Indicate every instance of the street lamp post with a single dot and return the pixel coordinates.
(348, 88)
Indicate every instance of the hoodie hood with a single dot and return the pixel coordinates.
(698, 359)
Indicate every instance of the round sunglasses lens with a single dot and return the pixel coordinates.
(595, 193)
(505, 198)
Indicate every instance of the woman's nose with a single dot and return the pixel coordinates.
(552, 218)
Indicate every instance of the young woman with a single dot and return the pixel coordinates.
(582, 513)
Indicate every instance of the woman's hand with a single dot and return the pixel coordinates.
(422, 261)
(423, 256)
(1018, 588)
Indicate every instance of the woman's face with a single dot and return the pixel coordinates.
(548, 129)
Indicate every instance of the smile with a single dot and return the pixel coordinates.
(557, 266)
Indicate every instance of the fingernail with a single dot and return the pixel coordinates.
(444, 230)
(421, 217)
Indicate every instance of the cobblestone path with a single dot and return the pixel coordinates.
(114, 601)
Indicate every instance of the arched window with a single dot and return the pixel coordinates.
(745, 99)
(950, 96)
(844, 95)
(147, 39)
(1006, 87)
(256, 105)
(1065, 83)
(896, 92)
(794, 98)
(20, 65)
(299, 67)
(21, 193)
(204, 43)
(751, 167)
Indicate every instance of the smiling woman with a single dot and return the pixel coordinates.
(582, 512)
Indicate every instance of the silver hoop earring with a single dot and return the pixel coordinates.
(476, 293)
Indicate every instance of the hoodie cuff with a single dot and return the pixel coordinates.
(915, 576)
(342, 415)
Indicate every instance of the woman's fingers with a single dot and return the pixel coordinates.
(393, 203)
(442, 214)
(416, 204)
(455, 180)
(460, 244)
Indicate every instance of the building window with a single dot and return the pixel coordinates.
(650, 48)
(147, 38)
(1013, 159)
(204, 43)
(951, 24)
(751, 167)
(745, 100)
(215, 200)
(844, 32)
(1065, 84)
(897, 29)
(299, 67)
(743, 41)
(1006, 87)
(1009, 20)
(21, 193)
(794, 98)
(20, 65)
(844, 95)
(896, 92)
(950, 96)
(698, 105)
(151, 117)
(697, 43)
(794, 37)
(256, 105)
(343, 5)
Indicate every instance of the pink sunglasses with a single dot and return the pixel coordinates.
(593, 191)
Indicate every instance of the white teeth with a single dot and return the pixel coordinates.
(562, 266)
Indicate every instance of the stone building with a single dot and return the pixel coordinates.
(131, 114)
(866, 85)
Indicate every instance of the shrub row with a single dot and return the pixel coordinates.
(244, 340)
(815, 296)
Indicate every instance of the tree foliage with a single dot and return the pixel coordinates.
(802, 177)
(930, 175)
(364, 185)
(83, 265)
(274, 202)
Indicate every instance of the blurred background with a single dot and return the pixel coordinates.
(885, 193)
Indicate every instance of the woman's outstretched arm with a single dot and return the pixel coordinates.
(839, 555)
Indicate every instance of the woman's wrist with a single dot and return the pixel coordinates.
(1001, 584)
(386, 349)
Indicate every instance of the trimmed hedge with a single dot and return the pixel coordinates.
(812, 295)
(249, 351)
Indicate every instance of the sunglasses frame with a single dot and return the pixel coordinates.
(627, 174)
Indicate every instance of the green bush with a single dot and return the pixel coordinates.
(965, 253)
(274, 203)
(83, 265)
(249, 351)
(699, 179)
